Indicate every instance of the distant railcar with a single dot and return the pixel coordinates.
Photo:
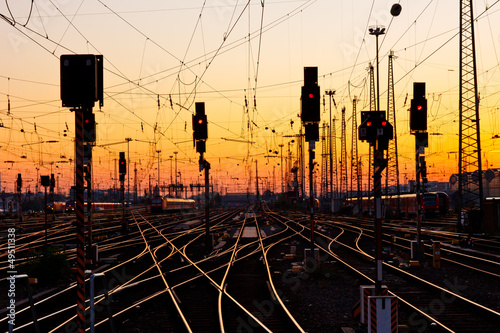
(159, 204)
(70, 206)
(156, 205)
(56, 207)
(96, 206)
(432, 203)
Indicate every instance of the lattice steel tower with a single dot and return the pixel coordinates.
(355, 172)
(373, 99)
(470, 188)
(343, 157)
(334, 153)
(392, 171)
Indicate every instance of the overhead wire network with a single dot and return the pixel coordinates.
(142, 86)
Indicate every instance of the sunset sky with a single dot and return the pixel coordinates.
(245, 60)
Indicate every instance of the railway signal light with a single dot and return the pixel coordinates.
(19, 182)
(200, 146)
(89, 127)
(385, 133)
(81, 80)
(122, 168)
(52, 182)
(310, 96)
(375, 127)
(418, 108)
(312, 132)
(45, 181)
(200, 128)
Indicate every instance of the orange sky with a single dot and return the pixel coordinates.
(160, 58)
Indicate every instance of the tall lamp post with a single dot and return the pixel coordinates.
(376, 31)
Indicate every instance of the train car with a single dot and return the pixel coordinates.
(173, 204)
(159, 204)
(156, 205)
(431, 203)
(56, 207)
(98, 206)
(70, 206)
(444, 203)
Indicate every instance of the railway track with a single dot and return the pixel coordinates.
(425, 302)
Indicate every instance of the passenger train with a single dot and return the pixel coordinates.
(159, 204)
(431, 203)
(69, 206)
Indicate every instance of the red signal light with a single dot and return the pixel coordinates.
(384, 123)
(200, 121)
(368, 123)
(311, 95)
(419, 107)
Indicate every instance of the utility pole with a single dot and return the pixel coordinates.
(123, 171)
(393, 164)
(330, 94)
(470, 177)
(128, 166)
(418, 127)
(378, 167)
(355, 170)
(257, 183)
(158, 152)
(135, 182)
(175, 187)
(281, 164)
(310, 116)
(200, 136)
(343, 158)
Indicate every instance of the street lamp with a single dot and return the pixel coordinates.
(377, 30)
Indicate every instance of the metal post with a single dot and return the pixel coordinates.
(30, 298)
(257, 183)
(330, 94)
(377, 194)
(92, 302)
(89, 209)
(281, 164)
(128, 166)
(46, 224)
(80, 220)
(311, 192)
(418, 198)
(159, 151)
(208, 242)
(122, 191)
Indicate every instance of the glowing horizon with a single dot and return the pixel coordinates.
(161, 58)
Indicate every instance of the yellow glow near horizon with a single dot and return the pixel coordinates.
(161, 57)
